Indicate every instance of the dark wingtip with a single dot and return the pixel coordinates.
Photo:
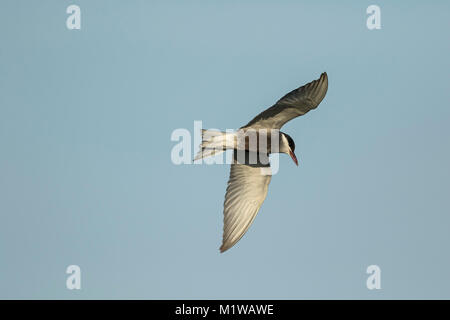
(324, 79)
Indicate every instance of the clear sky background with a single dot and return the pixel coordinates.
(86, 176)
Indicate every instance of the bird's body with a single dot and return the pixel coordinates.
(250, 172)
(253, 140)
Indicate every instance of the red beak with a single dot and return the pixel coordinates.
(294, 158)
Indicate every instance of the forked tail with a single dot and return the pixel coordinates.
(214, 143)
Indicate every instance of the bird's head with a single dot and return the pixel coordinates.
(288, 146)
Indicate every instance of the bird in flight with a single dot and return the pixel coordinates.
(250, 172)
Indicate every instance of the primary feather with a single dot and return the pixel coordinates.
(295, 103)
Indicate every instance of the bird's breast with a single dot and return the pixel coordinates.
(258, 140)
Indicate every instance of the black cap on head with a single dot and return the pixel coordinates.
(290, 141)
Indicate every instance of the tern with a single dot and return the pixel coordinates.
(249, 180)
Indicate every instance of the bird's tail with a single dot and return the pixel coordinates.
(214, 143)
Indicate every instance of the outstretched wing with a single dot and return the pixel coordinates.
(295, 103)
(246, 191)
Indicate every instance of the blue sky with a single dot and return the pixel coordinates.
(86, 176)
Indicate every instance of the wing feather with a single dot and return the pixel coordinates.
(247, 188)
(295, 103)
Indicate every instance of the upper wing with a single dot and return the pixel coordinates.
(246, 191)
(294, 104)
